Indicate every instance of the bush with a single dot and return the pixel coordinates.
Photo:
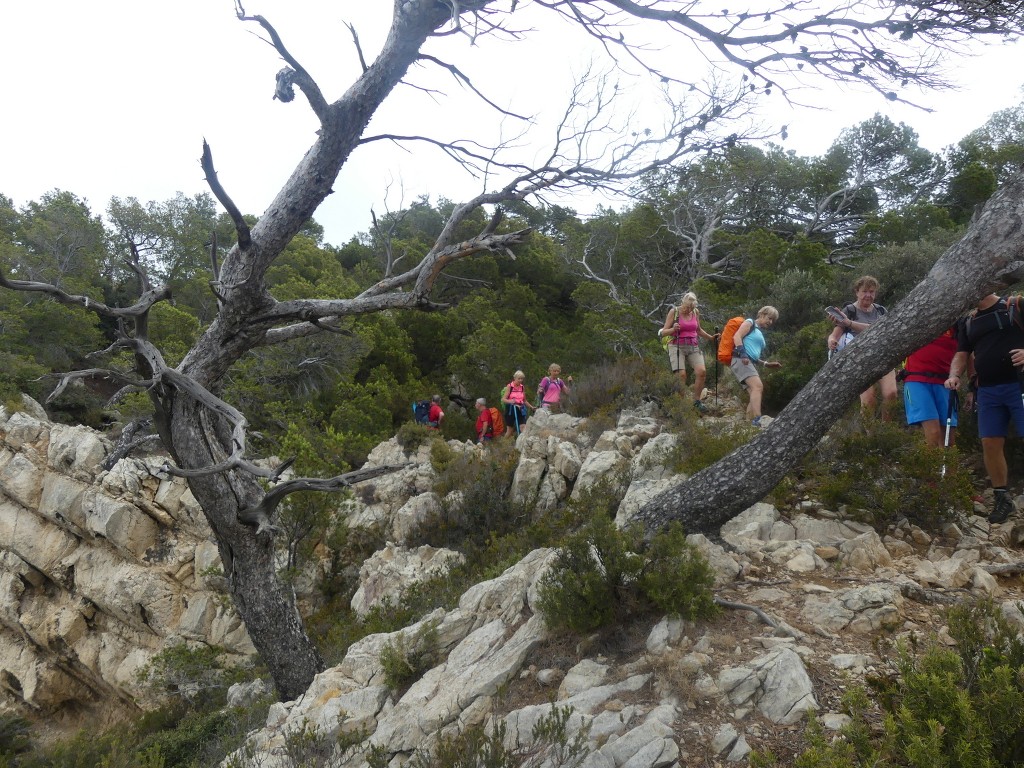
(942, 707)
(406, 658)
(624, 383)
(885, 472)
(412, 435)
(191, 673)
(602, 575)
(477, 747)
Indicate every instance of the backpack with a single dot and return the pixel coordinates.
(421, 412)
(1012, 309)
(497, 422)
(725, 344)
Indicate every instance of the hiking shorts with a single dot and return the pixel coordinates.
(927, 402)
(998, 405)
(742, 371)
(515, 414)
(681, 354)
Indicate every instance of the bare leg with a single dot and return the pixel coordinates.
(699, 376)
(888, 386)
(934, 433)
(995, 460)
(755, 388)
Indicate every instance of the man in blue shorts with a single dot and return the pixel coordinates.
(993, 332)
(925, 398)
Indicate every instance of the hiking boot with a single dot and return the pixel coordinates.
(757, 422)
(1002, 509)
(700, 407)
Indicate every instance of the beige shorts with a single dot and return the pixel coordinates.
(742, 371)
(681, 354)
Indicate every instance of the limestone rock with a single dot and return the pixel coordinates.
(390, 571)
(861, 609)
(776, 683)
(609, 466)
(414, 513)
(865, 552)
(526, 482)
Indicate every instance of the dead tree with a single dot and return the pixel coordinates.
(206, 436)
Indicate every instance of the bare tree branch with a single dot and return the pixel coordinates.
(359, 48)
(221, 194)
(460, 76)
(261, 515)
(143, 305)
(301, 77)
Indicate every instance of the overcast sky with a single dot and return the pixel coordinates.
(115, 97)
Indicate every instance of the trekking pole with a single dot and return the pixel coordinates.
(718, 340)
(515, 412)
(954, 405)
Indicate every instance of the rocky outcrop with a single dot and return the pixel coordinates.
(99, 571)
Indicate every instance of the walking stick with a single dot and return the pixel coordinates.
(954, 405)
(718, 340)
(515, 411)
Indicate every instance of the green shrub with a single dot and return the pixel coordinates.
(602, 575)
(14, 735)
(955, 708)
(885, 472)
(191, 673)
(406, 658)
(624, 383)
(479, 747)
(412, 435)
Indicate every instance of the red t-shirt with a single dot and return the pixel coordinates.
(484, 424)
(435, 415)
(933, 358)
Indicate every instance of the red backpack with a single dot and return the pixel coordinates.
(725, 344)
(497, 422)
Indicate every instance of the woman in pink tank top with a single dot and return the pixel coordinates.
(682, 326)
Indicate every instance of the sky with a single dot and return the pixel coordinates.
(114, 98)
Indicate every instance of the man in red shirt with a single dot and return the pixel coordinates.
(436, 415)
(484, 422)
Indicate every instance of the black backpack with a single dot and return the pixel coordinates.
(421, 412)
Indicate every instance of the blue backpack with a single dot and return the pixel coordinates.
(421, 412)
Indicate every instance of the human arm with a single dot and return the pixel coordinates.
(704, 334)
(956, 370)
(737, 338)
(669, 320)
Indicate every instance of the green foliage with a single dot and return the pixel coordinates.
(700, 445)
(550, 744)
(956, 708)
(190, 673)
(603, 574)
(624, 383)
(407, 657)
(884, 472)
(476, 503)
(14, 735)
(412, 435)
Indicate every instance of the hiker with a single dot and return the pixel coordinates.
(925, 397)
(994, 333)
(551, 387)
(749, 344)
(484, 422)
(436, 415)
(513, 397)
(683, 325)
(859, 316)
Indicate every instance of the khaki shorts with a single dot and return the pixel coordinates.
(742, 371)
(681, 354)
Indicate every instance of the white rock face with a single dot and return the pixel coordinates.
(94, 579)
(392, 570)
(776, 683)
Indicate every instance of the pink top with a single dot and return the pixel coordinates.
(516, 393)
(551, 389)
(686, 329)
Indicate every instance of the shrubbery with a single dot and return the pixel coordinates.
(956, 708)
(603, 574)
(885, 472)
